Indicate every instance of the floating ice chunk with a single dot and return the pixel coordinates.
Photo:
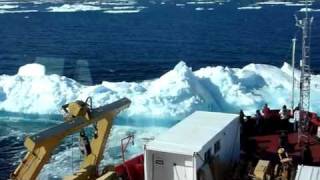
(199, 9)
(180, 5)
(122, 11)
(11, 3)
(249, 8)
(206, 2)
(31, 91)
(274, 3)
(201, 2)
(32, 70)
(5, 6)
(123, 7)
(92, 3)
(119, 3)
(297, 4)
(17, 11)
(309, 10)
(73, 8)
(125, 10)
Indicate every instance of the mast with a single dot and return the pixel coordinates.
(305, 77)
(293, 67)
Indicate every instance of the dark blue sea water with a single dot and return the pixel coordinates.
(144, 45)
(139, 46)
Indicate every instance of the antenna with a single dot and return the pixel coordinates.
(293, 68)
(305, 77)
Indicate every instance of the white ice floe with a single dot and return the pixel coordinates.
(309, 10)
(9, 2)
(73, 8)
(180, 5)
(17, 11)
(201, 2)
(123, 7)
(285, 3)
(249, 8)
(92, 3)
(199, 9)
(6, 6)
(173, 95)
(297, 4)
(32, 70)
(274, 3)
(124, 10)
(119, 3)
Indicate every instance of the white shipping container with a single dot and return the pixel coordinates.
(203, 144)
(307, 173)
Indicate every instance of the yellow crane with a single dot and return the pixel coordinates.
(79, 115)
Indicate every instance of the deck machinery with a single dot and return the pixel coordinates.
(79, 115)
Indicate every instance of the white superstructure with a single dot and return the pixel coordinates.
(201, 140)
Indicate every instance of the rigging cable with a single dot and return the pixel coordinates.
(72, 141)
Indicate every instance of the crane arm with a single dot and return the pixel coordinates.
(40, 146)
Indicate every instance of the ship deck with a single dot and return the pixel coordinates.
(267, 146)
(264, 142)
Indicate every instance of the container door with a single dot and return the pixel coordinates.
(182, 172)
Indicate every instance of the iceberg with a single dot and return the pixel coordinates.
(174, 95)
(156, 104)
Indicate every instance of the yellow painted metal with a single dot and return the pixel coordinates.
(108, 176)
(40, 146)
(261, 169)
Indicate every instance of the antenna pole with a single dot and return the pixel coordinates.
(305, 77)
(293, 68)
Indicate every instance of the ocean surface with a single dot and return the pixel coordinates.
(142, 43)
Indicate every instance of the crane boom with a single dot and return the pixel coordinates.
(40, 146)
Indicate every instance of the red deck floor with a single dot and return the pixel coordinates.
(268, 144)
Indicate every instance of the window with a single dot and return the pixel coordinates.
(216, 147)
(207, 155)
